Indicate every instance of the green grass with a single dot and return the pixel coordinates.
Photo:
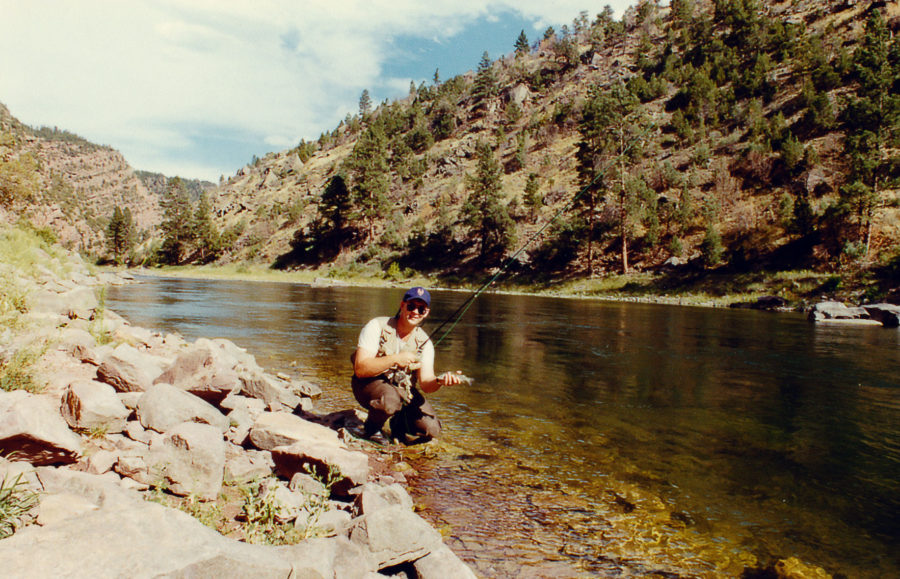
(16, 501)
(16, 372)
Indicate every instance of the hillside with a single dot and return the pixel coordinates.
(62, 182)
(734, 114)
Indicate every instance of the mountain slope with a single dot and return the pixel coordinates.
(741, 164)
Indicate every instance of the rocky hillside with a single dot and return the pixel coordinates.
(67, 184)
(734, 120)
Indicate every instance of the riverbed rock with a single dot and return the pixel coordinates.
(163, 406)
(348, 468)
(32, 430)
(330, 557)
(824, 311)
(394, 535)
(887, 314)
(270, 390)
(128, 370)
(89, 404)
(130, 537)
(440, 563)
(274, 429)
(372, 497)
(191, 457)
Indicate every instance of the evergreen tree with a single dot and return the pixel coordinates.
(486, 84)
(612, 122)
(872, 123)
(208, 240)
(120, 233)
(533, 198)
(484, 211)
(178, 222)
(365, 104)
(522, 46)
(370, 177)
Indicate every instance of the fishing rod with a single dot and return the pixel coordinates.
(457, 315)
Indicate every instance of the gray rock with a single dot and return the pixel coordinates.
(351, 468)
(442, 563)
(135, 539)
(394, 535)
(191, 457)
(270, 390)
(55, 508)
(90, 404)
(335, 557)
(887, 314)
(373, 497)
(128, 370)
(100, 462)
(163, 406)
(273, 429)
(247, 465)
(32, 429)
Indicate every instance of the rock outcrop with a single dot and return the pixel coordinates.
(887, 315)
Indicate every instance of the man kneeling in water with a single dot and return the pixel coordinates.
(393, 359)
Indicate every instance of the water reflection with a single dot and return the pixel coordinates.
(727, 431)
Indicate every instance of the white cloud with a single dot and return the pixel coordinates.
(145, 76)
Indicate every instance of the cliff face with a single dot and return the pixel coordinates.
(76, 185)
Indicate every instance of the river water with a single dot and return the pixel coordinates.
(610, 439)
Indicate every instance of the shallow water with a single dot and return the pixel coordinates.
(607, 438)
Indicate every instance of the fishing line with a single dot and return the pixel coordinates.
(456, 316)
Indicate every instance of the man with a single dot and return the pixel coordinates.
(393, 359)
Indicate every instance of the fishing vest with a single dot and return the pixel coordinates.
(389, 344)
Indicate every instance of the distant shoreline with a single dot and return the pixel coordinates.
(320, 279)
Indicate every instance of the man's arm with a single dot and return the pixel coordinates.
(427, 380)
(367, 365)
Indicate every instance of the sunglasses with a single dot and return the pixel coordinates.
(412, 307)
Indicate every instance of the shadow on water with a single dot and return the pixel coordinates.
(609, 439)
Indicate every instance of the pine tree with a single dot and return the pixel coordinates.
(533, 198)
(483, 210)
(611, 125)
(370, 176)
(365, 104)
(522, 46)
(120, 233)
(486, 84)
(871, 122)
(208, 240)
(177, 225)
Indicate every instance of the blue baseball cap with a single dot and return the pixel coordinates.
(417, 293)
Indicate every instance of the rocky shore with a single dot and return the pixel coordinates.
(113, 436)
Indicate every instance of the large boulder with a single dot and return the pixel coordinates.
(887, 314)
(31, 429)
(346, 468)
(93, 405)
(274, 429)
(331, 557)
(441, 563)
(836, 311)
(128, 370)
(191, 458)
(394, 535)
(125, 537)
(163, 406)
(268, 389)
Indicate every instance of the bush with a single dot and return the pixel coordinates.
(711, 249)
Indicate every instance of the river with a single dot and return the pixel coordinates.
(610, 439)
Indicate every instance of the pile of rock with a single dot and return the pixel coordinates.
(887, 315)
(149, 412)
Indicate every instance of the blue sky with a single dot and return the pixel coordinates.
(198, 87)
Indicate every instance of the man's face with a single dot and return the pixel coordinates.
(415, 311)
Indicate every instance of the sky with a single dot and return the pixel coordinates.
(196, 88)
